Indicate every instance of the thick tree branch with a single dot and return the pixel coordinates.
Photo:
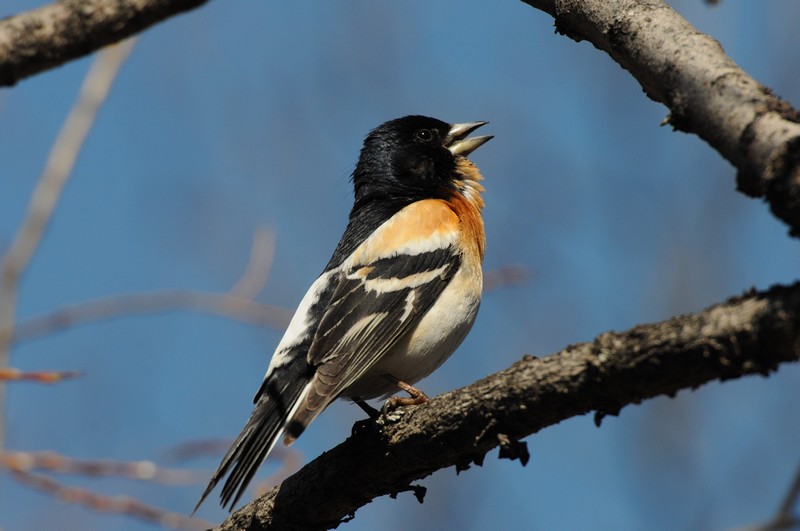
(50, 36)
(751, 334)
(706, 92)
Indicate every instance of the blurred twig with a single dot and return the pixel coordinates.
(47, 377)
(510, 275)
(200, 448)
(786, 514)
(262, 254)
(136, 470)
(786, 518)
(221, 304)
(237, 304)
(110, 504)
(59, 165)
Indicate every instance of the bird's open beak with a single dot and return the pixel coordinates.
(457, 141)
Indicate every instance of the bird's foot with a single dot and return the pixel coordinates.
(417, 397)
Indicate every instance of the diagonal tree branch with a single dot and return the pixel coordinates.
(752, 334)
(706, 92)
(51, 35)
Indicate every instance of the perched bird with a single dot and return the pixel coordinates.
(399, 294)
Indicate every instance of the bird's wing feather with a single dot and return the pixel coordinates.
(382, 294)
(350, 316)
(286, 378)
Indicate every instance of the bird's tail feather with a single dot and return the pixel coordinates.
(273, 407)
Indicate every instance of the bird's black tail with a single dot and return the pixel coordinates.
(274, 402)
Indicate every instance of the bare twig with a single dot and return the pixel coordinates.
(786, 513)
(262, 254)
(110, 504)
(136, 470)
(787, 517)
(47, 377)
(237, 304)
(503, 277)
(69, 29)
(200, 448)
(57, 170)
(220, 304)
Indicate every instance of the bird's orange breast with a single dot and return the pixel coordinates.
(467, 204)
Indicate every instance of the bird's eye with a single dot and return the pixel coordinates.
(423, 135)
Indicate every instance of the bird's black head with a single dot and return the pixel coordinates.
(412, 157)
(402, 161)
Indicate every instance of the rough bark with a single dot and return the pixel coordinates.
(706, 92)
(751, 334)
(51, 35)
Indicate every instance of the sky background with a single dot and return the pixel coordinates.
(251, 113)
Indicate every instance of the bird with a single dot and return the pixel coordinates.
(398, 296)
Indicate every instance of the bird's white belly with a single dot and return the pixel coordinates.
(437, 335)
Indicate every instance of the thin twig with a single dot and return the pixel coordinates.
(786, 511)
(110, 504)
(9, 374)
(221, 304)
(183, 452)
(262, 254)
(237, 304)
(136, 470)
(45, 197)
(786, 518)
(503, 277)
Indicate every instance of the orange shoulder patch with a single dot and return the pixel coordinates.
(421, 226)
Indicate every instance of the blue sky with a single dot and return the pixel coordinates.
(245, 113)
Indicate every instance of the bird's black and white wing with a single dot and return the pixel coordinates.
(350, 318)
